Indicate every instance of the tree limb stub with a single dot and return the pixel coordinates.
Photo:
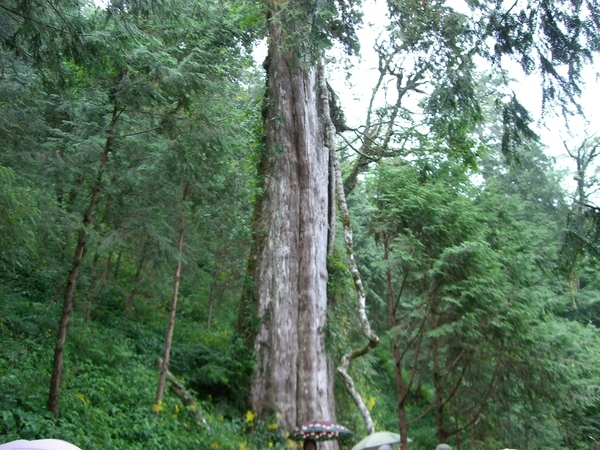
(179, 390)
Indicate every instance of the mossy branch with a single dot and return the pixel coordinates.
(177, 388)
(358, 285)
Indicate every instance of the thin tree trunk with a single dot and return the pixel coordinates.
(401, 389)
(133, 292)
(91, 289)
(214, 275)
(437, 384)
(164, 368)
(61, 337)
(402, 392)
(117, 268)
(472, 435)
(105, 279)
(457, 439)
(373, 339)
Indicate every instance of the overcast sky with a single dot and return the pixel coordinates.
(355, 92)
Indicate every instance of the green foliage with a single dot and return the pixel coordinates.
(342, 325)
(18, 222)
(312, 27)
(109, 385)
(219, 369)
(472, 272)
(163, 89)
(515, 127)
(552, 38)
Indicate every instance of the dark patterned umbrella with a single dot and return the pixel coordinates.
(319, 430)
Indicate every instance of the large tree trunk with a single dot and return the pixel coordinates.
(291, 227)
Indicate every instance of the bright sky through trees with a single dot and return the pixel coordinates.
(354, 89)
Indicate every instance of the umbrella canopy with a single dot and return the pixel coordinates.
(40, 444)
(376, 440)
(319, 430)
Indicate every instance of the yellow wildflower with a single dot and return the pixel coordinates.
(158, 407)
(371, 403)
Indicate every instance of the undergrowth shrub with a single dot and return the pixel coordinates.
(218, 367)
(110, 378)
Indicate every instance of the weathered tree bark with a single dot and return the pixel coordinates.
(291, 230)
(164, 368)
(67, 308)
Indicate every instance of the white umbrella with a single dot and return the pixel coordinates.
(40, 444)
(376, 440)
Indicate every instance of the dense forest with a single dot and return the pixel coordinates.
(197, 250)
